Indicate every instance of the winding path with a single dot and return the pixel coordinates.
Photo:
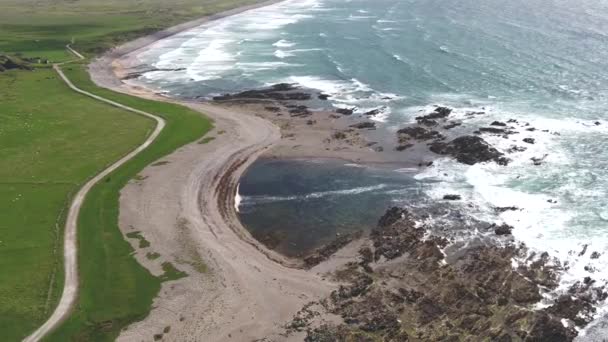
(70, 252)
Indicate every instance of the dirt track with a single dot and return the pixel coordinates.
(70, 288)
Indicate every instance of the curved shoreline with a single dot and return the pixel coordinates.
(185, 209)
(70, 287)
(225, 196)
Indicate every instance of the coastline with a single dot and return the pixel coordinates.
(106, 60)
(223, 178)
(246, 290)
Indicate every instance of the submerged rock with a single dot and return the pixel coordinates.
(452, 197)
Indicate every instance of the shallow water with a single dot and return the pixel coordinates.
(294, 206)
(537, 61)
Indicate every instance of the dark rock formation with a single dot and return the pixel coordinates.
(494, 130)
(413, 292)
(273, 109)
(418, 133)
(469, 150)
(450, 197)
(374, 112)
(515, 148)
(339, 135)
(299, 111)
(323, 96)
(529, 140)
(138, 74)
(503, 209)
(452, 125)
(345, 111)
(431, 119)
(403, 147)
(364, 125)
(321, 254)
(503, 229)
(278, 92)
(391, 216)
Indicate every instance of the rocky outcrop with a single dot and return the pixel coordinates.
(298, 111)
(345, 111)
(418, 133)
(364, 125)
(469, 150)
(403, 287)
(321, 254)
(374, 112)
(503, 229)
(278, 92)
(431, 119)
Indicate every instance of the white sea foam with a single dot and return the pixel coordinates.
(237, 198)
(282, 54)
(313, 195)
(212, 49)
(283, 43)
(545, 221)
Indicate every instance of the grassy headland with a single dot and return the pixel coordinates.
(52, 140)
(115, 289)
(41, 28)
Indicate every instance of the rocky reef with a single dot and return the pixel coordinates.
(277, 92)
(411, 284)
(470, 150)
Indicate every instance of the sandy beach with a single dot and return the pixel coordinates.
(185, 209)
(412, 276)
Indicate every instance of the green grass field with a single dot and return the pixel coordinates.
(41, 28)
(111, 274)
(52, 140)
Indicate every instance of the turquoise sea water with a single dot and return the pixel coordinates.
(544, 62)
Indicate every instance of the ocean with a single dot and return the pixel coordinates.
(544, 62)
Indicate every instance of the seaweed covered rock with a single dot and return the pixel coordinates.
(440, 113)
(323, 253)
(277, 92)
(469, 150)
(418, 133)
(416, 291)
